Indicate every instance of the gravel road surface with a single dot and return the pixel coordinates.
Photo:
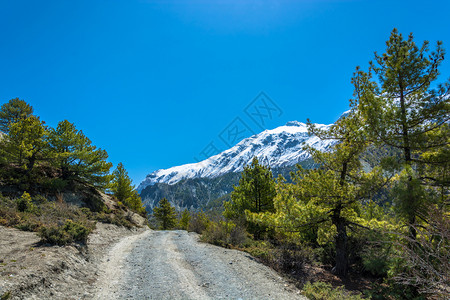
(175, 265)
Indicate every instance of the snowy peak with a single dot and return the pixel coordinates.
(295, 123)
(279, 147)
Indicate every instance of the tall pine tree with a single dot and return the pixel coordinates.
(76, 158)
(25, 144)
(254, 193)
(13, 111)
(165, 214)
(321, 204)
(124, 190)
(403, 110)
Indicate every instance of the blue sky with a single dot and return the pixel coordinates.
(155, 82)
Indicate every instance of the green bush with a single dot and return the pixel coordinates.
(68, 233)
(260, 249)
(39, 199)
(8, 216)
(224, 233)
(28, 224)
(117, 218)
(199, 222)
(40, 215)
(185, 219)
(376, 264)
(389, 289)
(24, 203)
(325, 291)
(326, 253)
(54, 184)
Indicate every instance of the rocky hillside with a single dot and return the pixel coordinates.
(204, 193)
(280, 147)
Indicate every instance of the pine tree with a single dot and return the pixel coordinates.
(403, 111)
(124, 191)
(341, 184)
(165, 214)
(254, 193)
(13, 111)
(321, 204)
(25, 144)
(76, 158)
(185, 219)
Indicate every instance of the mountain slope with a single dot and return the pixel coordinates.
(204, 193)
(279, 147)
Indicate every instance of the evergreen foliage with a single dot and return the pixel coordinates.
(403, 110)
(62, 235)
(36, 157)
(76, 158)
(24, 203)
(199, 222)
(255, 193)
(185, 220)
(124, 191)
(25, 144)
(165, 214)
(13, 111)
(323, 203)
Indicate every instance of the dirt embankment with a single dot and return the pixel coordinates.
(29, 270)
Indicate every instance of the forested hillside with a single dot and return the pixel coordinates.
(202, 193)
(56, 182)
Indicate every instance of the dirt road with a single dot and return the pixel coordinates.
(174, 265)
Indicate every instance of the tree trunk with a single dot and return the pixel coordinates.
(408, 160)
(341, 266)
(31, 162)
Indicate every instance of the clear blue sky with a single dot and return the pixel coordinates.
(154, 82)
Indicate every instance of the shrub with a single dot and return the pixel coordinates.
(199, 222)
(291, 258)
(325, 291)
(61, 235)
(224, 233)
(392, 290)
(29, 224)
(261, 249)
(8, 217)
(184, 220)
(118, 218)
(39, 199)
(24, 203)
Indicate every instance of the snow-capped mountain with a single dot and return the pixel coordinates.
(279, 147)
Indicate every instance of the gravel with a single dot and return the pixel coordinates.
(175, 265)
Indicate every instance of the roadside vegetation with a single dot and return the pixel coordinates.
(375, 214)
(53, 180)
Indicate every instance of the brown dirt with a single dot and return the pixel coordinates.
(31, 270)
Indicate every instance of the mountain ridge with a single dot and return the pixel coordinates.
(278, 147)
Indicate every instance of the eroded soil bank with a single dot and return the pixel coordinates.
(29, 270)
